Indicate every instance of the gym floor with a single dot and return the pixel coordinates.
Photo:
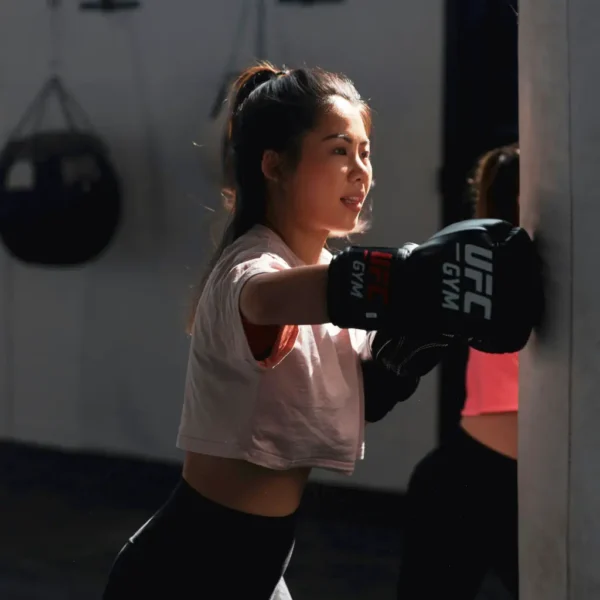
(64, 517)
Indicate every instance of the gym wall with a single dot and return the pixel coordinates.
(94, 358)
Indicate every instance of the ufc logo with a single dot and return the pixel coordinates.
(476, 265)
(371, 276)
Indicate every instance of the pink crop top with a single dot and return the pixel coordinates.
(300, 406)
(492, 383)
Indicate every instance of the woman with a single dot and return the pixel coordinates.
(461, 510)
(274, 388)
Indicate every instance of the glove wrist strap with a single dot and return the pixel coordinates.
(359, 289)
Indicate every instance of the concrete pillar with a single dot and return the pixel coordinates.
(559, 420)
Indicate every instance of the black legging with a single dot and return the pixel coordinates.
(194, 548)
(461, 522)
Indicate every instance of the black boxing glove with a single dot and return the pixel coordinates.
(383, 389)
(474, 279)
(409, 355)
(364, 286)
(489, 288)
(395, 370)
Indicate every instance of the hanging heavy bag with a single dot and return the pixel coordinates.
(60, 198)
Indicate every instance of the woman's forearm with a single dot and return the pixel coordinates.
(291, 297)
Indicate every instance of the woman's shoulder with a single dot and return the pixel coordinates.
(258, 250)
(260, 241)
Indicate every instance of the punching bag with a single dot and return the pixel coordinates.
(60, 198)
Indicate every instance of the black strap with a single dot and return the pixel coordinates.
(75, 117)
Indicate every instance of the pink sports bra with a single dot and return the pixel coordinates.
(492, 383)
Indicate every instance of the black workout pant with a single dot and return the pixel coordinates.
(195, 548)
(461, 522)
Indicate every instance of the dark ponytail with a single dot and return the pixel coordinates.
(495, 185)
(270, 109)
(243, 216)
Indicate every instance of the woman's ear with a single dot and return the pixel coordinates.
(271, 166)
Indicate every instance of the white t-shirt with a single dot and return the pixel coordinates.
(302, 406)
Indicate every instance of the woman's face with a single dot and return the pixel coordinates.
(327, 189)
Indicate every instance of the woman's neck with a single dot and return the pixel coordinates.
(306, 244)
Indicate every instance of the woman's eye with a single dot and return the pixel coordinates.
(366, 154)
(340, 151)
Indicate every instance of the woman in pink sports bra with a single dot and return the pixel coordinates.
(461, 506)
